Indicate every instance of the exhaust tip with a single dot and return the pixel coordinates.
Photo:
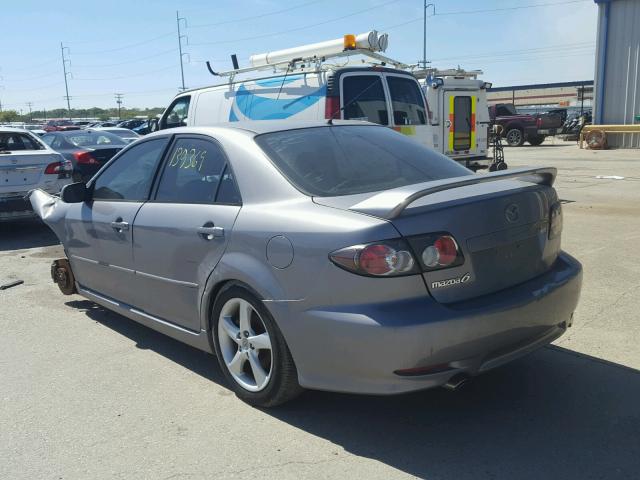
(456, 382)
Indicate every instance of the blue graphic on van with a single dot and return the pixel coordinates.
(249, 106)
(277, 81)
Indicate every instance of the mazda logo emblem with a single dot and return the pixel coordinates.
(512, 213)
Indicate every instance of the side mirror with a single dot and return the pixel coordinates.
(75, 193)
(153, 125)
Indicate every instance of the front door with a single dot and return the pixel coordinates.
(460, 123)
(181, 234)
(99, 232)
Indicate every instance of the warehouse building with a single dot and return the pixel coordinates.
(617, 72)
(566, 94)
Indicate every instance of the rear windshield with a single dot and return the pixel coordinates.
(406, 100)
(345, 160)
(18, 141)
(91, 139)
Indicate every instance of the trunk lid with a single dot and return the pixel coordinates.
(103, 154)
(500, 226)
(20, 171)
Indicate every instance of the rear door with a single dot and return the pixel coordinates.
(460, 124)
(182, 233)
(100, 231)
(408, 107)
(364, 97)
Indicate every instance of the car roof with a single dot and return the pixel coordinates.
(259, 127)
(13, 130)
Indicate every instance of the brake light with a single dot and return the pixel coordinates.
(555, 221)
(62, 169)
(380, 259)
(332, 107)
(53, 168)
(85, 158)
(442, 253)
(539, 122)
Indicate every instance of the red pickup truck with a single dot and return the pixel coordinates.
(520, 127)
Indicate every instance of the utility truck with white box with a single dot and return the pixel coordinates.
(347, 78)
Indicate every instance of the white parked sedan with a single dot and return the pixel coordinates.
(26, 162)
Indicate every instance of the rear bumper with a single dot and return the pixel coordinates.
(15, 208)
(357, 348)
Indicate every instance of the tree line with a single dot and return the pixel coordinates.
(94, 112)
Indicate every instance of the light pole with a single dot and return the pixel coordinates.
(424, 32)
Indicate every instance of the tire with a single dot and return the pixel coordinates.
(536, 140)
(261, 372)
(514, 137)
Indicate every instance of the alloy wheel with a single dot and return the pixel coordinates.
(245, 344)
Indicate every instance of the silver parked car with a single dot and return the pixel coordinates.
(341, 256)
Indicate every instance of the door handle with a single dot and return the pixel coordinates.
(209, 233)
(119, 225)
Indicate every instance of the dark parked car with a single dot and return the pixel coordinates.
(143, 129)
(87, 150)
(131, 124)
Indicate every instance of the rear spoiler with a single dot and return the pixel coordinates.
(391, 203)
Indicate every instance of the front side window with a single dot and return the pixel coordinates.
(191, 172)
(406, 101)
(129, 176)
(363, 99)
(177, 114)
(346, 160)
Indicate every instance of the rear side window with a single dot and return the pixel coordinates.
(192, 172)
(406, 101)
(18, 141)
(345, 160)
(129, 176)
(363, 99)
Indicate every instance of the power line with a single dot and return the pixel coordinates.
(125, 47)
(253, 17)
(304, 27)
(488, 10)
(134, 60)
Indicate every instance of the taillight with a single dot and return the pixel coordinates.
(332, 107)
(539, 122)
(85, 158)
(379, 259)
(437, 251)
(62, 169)
(555, 220)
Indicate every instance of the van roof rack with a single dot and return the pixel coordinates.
(369, 45)
(451, 72)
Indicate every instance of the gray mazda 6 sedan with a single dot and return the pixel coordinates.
(337, 256)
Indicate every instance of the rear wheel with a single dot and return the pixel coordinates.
(536, 140)
(514, 137)
(251, 350)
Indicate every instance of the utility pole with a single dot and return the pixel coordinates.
(424, 32)
(180, 37)
(66, 84)
(29, 104)
(119, 102)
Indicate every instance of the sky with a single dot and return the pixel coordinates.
(131, 47)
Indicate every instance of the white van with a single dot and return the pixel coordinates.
(312, 89)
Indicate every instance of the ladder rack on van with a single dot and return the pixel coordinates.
(451, 72)
(368, 45)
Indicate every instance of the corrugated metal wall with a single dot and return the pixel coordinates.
(621, 87)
